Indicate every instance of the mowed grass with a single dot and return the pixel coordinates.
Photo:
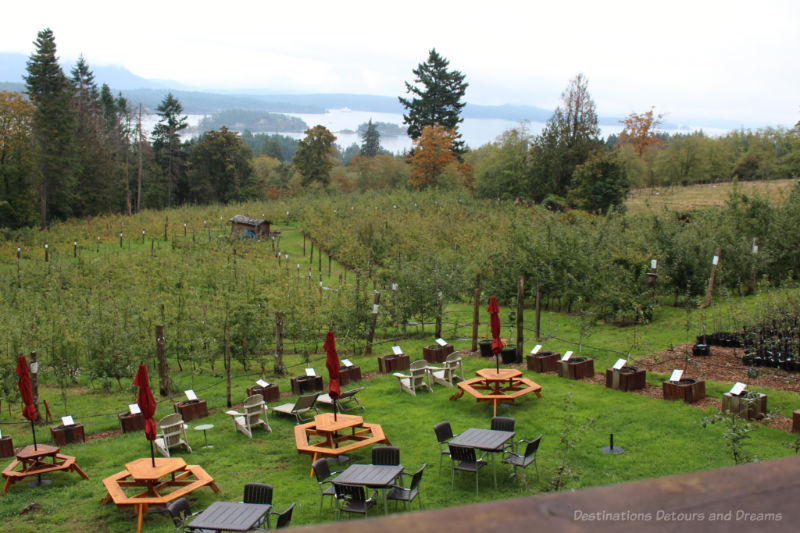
(660, 438)
(660, 199)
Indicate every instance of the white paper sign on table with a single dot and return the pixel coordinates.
(310, 372)
(676, 375)
(441, 342)
(190, 395)
(738, 388)
(67, 420)
(261, 383)
(536, 349)
(619, 364)
(566, 356)
(134, 409)
(347, 362)
(1, 433)
(397, 350)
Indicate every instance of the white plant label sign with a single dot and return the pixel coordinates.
(566, 356)
(134, 409)
(261, 383)
(67, 420)
(347, 362)
(715, 260)
(397, 350)
(619, 364)
(310, 372)
(536, 349)
(190, 395)
(676, 375)
(738, 388)
(441, 342)
(653, 264)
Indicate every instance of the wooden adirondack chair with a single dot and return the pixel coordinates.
(173, 433)
(415, 379)
(254, 409)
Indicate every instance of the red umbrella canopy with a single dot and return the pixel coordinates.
(146, 402)
(29, 411)
(494, 312)
(332, 362)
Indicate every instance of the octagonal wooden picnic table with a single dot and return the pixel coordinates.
(497, 386)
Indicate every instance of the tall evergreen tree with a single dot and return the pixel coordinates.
(167, 142)
(437, 98)
(371, 141)
(53, 129)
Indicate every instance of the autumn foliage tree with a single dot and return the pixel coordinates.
(434, 158)
(641, 131)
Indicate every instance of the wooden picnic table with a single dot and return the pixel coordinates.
(168, 480)
(490, 386)
(333, 433)
(37, 460)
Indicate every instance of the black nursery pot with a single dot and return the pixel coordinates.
(509, 355)
(485, 346)
(701, 349)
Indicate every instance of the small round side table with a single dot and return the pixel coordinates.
(204, 428)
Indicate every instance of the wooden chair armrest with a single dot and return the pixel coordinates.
(399, 375)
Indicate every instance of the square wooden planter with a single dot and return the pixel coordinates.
(306, 384)
(130, 423)
(688, 390)
(349, 374)
(625, 379)
(6, 446)
(62, 435)
(271, 393)
(393, 363)
(576, 368)
(752, 406)
(543, 361)
(436, 353)
(192, 409)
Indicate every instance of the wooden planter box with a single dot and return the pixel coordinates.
(543, 361)
(393, 363)
(349, 374)
(6, 446)
(625, 379)
(436, 353)
(62, 435)
(796, 421)
(129, 423)
(306, 384)
(745, 407)
(689, 390)
(192, 409)
(576, 368)
(271, 393)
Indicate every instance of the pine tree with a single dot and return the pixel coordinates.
(371, 141)
(438, 93)
(53, 129)
(167, 142)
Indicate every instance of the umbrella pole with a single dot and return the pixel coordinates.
(152, 454)
(33, 430)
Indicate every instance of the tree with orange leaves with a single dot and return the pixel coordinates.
(640, 131)
(433, 152)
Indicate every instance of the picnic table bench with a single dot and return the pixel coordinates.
(30, 459)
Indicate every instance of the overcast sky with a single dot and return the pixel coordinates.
(698, 59)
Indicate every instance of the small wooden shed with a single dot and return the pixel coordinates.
(243, 225)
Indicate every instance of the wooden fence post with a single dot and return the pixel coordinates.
(161, 353)
(371, 335)
(538, 312)
(714, 265)
(651, 278)
(520, 307)
(228, 360)
(278, 366)
(476, 313)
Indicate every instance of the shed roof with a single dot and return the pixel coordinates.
(241, 219)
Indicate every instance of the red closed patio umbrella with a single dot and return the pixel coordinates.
(494, 320)
(332, 362)
(147, 404)
(29, 411)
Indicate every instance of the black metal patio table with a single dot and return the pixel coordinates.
(230, 516)
(489, 440)
(373, 476)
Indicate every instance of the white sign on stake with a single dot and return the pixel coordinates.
(397, 350)
(34, 367)
(536, 349)
(566, 356)
(310, 372)
(715, 260)
(134, 408)
(653, 264)
(738, 388)
(375, 308)
(190, 395)
(619, 364)
(755, 248)
(394, 286)
(676, 375)
(261, 383)
(67, 420)
(441, 342)
(347, 362)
